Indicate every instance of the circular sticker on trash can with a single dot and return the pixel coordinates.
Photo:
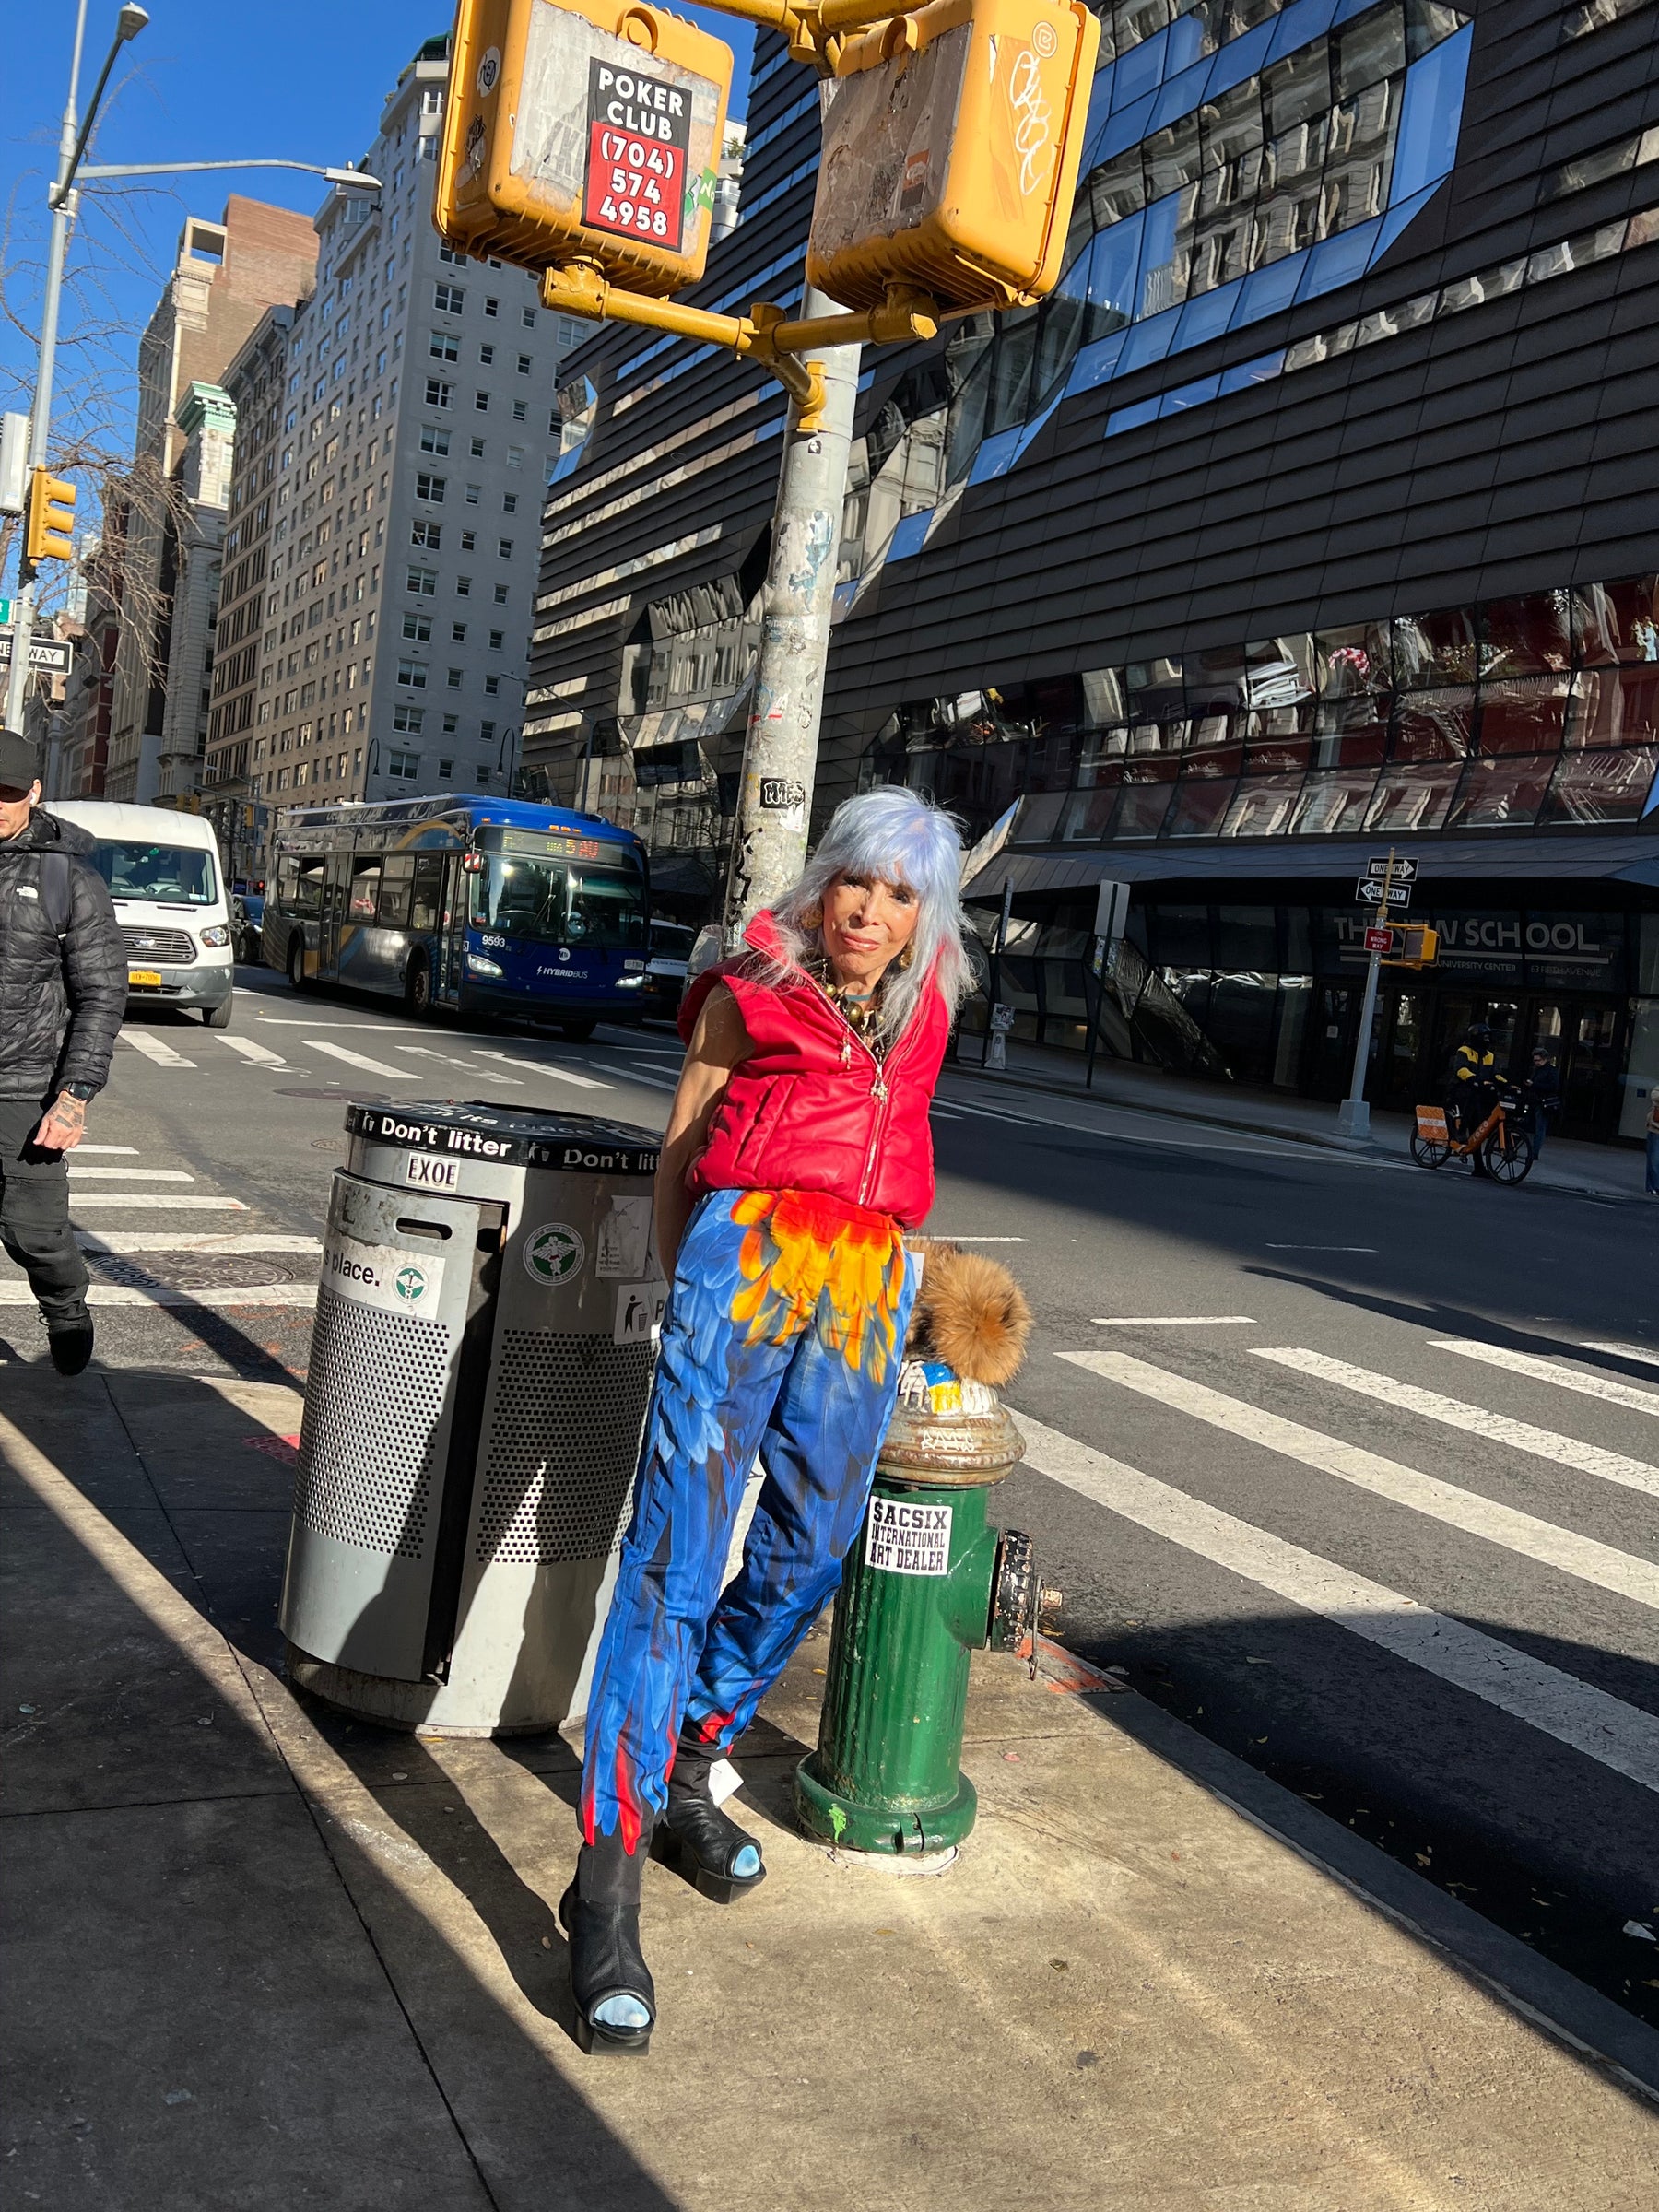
(555, 1253)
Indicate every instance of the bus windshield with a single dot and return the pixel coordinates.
(558, 902)
(164, 874)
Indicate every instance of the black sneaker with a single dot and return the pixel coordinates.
(69, 1336)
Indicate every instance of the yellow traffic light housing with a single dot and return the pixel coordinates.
(1414, 945)
(50, 535)
(952, 138)
(587, 132)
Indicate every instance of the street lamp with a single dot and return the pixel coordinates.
(73, 135)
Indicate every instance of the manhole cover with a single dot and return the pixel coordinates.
(192, 1271)
(343, 1097)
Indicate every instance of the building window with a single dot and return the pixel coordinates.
(481, 401)
(487, 356)
(469, 539)
(449, 300)
(477, 449)
(520, 410)
(452, 722)
(438, 393)
(527, 315)
(474, 493)
(418, 626)
(444, 346)
(458, 632)
(412, 675)
(570, 331)
(524, 364)
(407, 719)
(492, 306)
(422, 581)
(501, 595)
(405, 767)
(509, 503)
(463, 587)
(497, 638)
(447, 254)
(515, 456)
(430, 488)
(446, 768)
(429, 534)
(453, 679)
(433, 439)
(492, 686)
(487, 733)
(504, 547)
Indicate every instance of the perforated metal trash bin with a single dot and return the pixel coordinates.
(479, 1367)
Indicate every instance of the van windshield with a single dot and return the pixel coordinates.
(164, 874)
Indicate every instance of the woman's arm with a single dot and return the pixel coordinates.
(719, 1043)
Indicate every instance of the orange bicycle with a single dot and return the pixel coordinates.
(1501, 1144)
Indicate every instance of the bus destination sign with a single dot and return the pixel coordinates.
(558, 848)
(639, 141)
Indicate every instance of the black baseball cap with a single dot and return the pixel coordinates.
(19, 764)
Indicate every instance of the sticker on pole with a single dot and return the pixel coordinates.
(639, 142)
(554, 1253)
(900, 1539)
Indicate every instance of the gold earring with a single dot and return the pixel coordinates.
(812, 917)
(907, 955)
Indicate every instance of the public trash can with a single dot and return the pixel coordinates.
(479, 1368)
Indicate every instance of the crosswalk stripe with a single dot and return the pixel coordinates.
(154, 1048)
(425, 1051)
(189, 1239)
(1552, 1371)
(164, 1294)
(1646, 1353)
(1604, 1728)
(126, 1174)
(1477, 1516)
(251, 1048)
(1473, 1421)
(558, 1075)
(160, 1200)
(131, 1150)
(372, 1068)
(1175, 1320)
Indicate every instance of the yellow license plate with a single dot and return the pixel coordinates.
(145, 975)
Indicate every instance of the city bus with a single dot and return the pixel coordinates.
(469, 905)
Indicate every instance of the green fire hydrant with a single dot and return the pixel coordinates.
(928, 1582)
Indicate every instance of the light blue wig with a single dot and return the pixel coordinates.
(891, 835)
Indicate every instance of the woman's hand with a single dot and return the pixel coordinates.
(719, 1043)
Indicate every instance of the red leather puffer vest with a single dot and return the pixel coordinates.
(812, 1109)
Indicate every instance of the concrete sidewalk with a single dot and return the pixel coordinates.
(1593, 1170)
(263, 1958)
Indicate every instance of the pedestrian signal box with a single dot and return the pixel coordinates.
(1414, 945)
(584, 131)
(951, 142)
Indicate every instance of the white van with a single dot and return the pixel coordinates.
(164, 871)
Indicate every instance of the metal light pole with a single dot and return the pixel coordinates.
(1353, 1116)
(780, 752)
(62, 199)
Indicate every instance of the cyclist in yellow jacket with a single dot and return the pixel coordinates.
(1472, 1084)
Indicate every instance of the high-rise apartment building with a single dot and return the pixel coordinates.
(386, 505)
(228, 273)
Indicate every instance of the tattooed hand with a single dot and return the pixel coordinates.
(65, 1126)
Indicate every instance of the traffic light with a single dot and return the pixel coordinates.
(51, 518)
(951, 142)
(1414, 945)
(589, 131)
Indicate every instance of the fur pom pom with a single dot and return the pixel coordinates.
(971, 1313)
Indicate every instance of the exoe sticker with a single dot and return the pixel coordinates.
(902, 1538)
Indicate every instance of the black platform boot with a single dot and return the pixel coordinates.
(615, 1999)
(695, 1836)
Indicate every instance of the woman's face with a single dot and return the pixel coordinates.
(868, 924)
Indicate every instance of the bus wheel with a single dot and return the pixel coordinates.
(418, 987)
(578, 1033)
(297, 964)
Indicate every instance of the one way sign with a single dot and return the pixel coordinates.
(1370, 889)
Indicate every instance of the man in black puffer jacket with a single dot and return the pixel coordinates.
(63, 991)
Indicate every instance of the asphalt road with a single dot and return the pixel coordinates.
(1330, 1457)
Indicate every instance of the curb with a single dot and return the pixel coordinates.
(1315, 1140)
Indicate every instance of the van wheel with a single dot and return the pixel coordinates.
(218, 1018)
(417, 988)
(296, 964)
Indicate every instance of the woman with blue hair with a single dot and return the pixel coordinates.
(797, 1153)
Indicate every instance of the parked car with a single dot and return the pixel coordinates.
(247, 913)
(670, 952)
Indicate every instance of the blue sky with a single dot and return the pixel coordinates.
(303, 80)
